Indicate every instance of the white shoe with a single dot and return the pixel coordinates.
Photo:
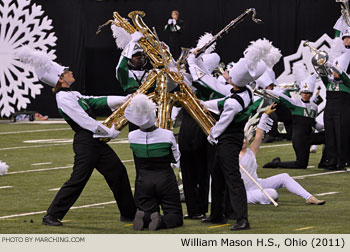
(314, 201)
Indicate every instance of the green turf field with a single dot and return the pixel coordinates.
(37, 148)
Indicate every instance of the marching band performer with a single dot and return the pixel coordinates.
(228, 134)
(196, 153)
(89, 151)
(268, 82)
(247, 159)
(155, 149)
(304, 113)
(133, 66)
(337, 110)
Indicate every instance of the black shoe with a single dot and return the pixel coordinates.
(51, 221)
(138, 221)
(194, 217)
(322, 165)
(126, 218)
(242, 224)
(273, 164)
(219, 220)
(155, 221)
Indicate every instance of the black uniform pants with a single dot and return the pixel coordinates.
(336, 123)
(226, 174)
(301, 146)
(89, 154)
(159, 187)
(196, 159)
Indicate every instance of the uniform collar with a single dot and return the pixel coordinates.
(240, 90)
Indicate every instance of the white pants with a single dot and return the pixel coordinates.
(256, 196)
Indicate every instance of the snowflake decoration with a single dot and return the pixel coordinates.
(304, 56)
(21, 24)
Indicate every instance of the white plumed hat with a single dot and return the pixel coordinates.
(259, 55)
(343, 60)
(300, 72)
(308, 85)
(141, 111)
(211, 61)
(121, 36)
(266, 79)
(337, 48)
(346, 33)
(47, 70)
(3, 168)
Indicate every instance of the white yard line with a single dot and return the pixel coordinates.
(46, 163)
(275, 145)
(4, 187)
(41, 212)
(326, 193)
(54, 189)
(39, 170)
(317, 174)
(121, 141)
(54, 168)
(31, 131)
(31, 146)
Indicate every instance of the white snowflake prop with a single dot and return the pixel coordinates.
(304, 56)
(21, 23)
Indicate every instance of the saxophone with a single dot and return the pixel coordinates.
(160, 59)
(117, 117)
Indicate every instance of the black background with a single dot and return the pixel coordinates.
(93, 58)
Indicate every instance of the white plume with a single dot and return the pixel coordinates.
(300, 72)
(337, 49)
(35, 58)
(3, 168)
(205, 38)
(121, 36)
(256, 51)
(273, 57)
(140, 104)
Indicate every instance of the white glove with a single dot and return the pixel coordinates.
(265, 123)
(103, 131)
(136, 36)
(175, 165)
(212, 140)
(114, 101)
(170, 21)
(192, 58)
(174, 22)
(3, 168)
(319, 127)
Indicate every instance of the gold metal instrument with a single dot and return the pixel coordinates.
(117, 117)
(345, 10)
(319, 60)
(161, 75)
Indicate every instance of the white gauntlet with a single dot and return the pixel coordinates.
(103, 131)
(265, 123)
